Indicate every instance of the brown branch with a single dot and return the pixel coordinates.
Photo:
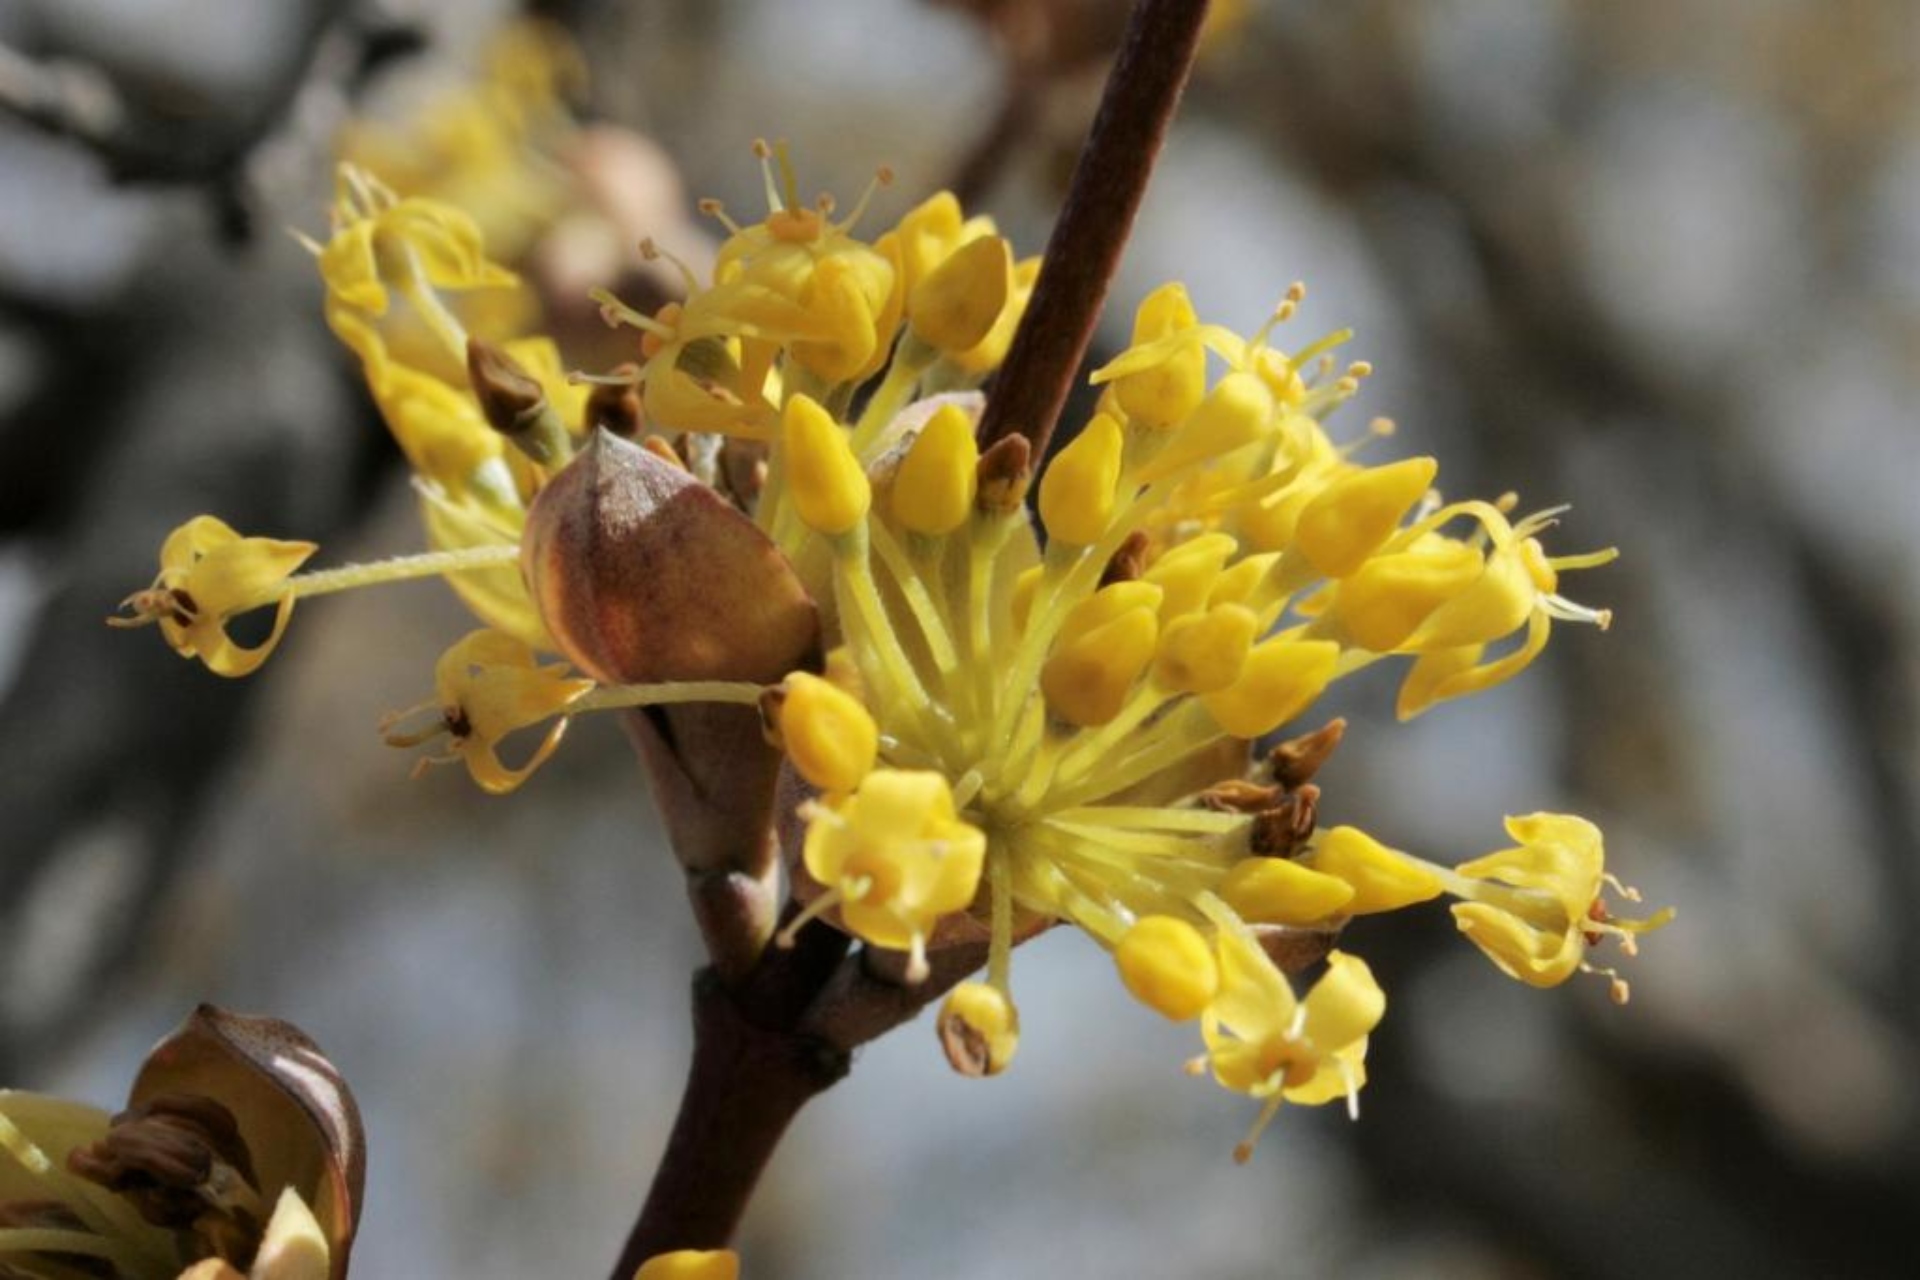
(1141, 96)
(744, 1087)
(762, 1049)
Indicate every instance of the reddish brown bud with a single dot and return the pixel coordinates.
(515, 404)
(1005, 471)
(642, 573)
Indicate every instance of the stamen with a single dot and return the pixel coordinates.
(1243, 1152)
(712, 208)
(616, 313)
(651, 251)
(882, 177)
(826, 902)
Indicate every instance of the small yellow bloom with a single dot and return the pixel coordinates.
(691, 1264)
(209, 574)
(488, 685)
(827, 733)
(1168, 967)
(1263, 1042)
(410, 238)
(1535, 907)
(894, 857)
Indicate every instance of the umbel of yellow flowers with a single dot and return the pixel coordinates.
(1018, 723)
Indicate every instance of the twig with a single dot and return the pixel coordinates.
(1141, 95)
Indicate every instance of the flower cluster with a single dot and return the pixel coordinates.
(1018, 722)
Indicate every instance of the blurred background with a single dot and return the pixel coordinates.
(1656, 258)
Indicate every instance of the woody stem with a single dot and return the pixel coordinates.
(1142, 93)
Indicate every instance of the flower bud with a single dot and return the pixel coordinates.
(1276, 891)
(1204, 652)
(1168, 966)
(1087, 679)
(1279, 680)
(1188, 572)
(1164, 393)
(1234, 414)
(955, 306)
(934, 488)
(691, 1264)
(515, 404)
(829, 487)
(1384, 602)
(1005, 471)
(1077, 493)
(643, 573)
(1382, 879)
(1352, 516)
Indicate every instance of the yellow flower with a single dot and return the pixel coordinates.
(209, 574)
(391, 267)
(488, 685)
(894, 858)
(1536, 908)
(1265, 1043)
(691, 1264)
(488, 145)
